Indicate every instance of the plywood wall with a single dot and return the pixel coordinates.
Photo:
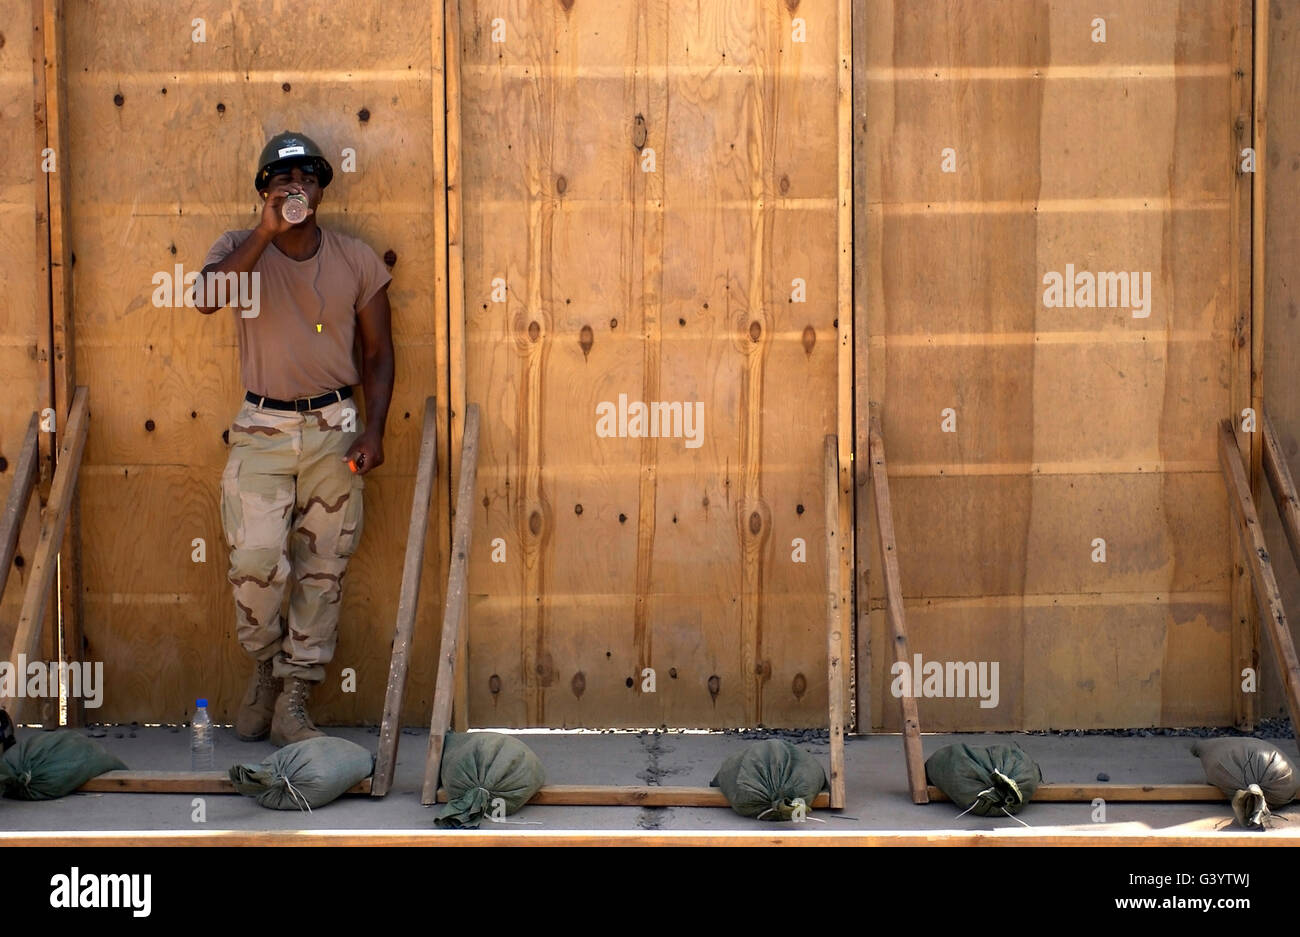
(1282, 301)
(164, 133)
(1071, 424)
(24, 315)
(669, 283)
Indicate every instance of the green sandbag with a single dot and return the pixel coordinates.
(764, 780)
(987, 780)
(305, 774)
(1254, 773)
(46, 765)
(478, 768)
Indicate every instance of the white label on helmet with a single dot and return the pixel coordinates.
(292, 151)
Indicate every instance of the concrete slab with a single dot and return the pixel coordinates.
(877, 802)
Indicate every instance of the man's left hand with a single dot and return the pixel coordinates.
(367, 452)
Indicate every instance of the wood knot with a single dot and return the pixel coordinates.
(494, 684)
(534, 331)
(715, 686)
(535, 523)
(578, 684)
(755, 523)
(390, 257)
(119, 101)
(363, 115)
(585, 340)
(561, 184)
(799, 686)
(755, 331)
(784, 184)
(809, 339)
(639, 132)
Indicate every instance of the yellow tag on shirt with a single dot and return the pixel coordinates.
(318, 326)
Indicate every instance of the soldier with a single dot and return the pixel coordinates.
(291, 503)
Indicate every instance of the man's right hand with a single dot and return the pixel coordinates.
(273, 223)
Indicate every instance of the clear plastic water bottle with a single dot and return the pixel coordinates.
(294, 208)
(201, 755)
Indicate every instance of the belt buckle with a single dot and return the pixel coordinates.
(301, 404)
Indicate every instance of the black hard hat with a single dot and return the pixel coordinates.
(288, 149)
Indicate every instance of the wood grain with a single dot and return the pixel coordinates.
(170, 377)
(629, 559)
(456, 608)
(1071, 424)
(390, 725)
(912, 754)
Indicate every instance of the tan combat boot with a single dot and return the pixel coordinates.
(253, 721)
(291, 722)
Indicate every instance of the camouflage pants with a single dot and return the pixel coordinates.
(291, 510)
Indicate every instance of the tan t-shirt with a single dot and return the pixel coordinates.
(281, 353)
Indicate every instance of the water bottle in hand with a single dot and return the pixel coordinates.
(201, 755)
(294, 208)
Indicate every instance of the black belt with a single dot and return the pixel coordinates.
(300, 403)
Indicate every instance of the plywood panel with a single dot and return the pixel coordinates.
(713, 278)
(1071, 423)
(24, 309)
(193, 117)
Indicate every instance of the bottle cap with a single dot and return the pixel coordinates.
(202, 704)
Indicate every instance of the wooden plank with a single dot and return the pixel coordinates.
(1116, 793)
(454, 372)
(390, 726)
(175, 782)
(1260, 563)
(897, 622)
(834, 622)
(1282, 287)
(67, 638)
(1245, 615)
(1250, 638)
(26, 474)
(633, 795)
(36, 598)
(1282, 483)
(46, 709)
(861, 384)
(1258, 233)
(846, 321)
(456, 607)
